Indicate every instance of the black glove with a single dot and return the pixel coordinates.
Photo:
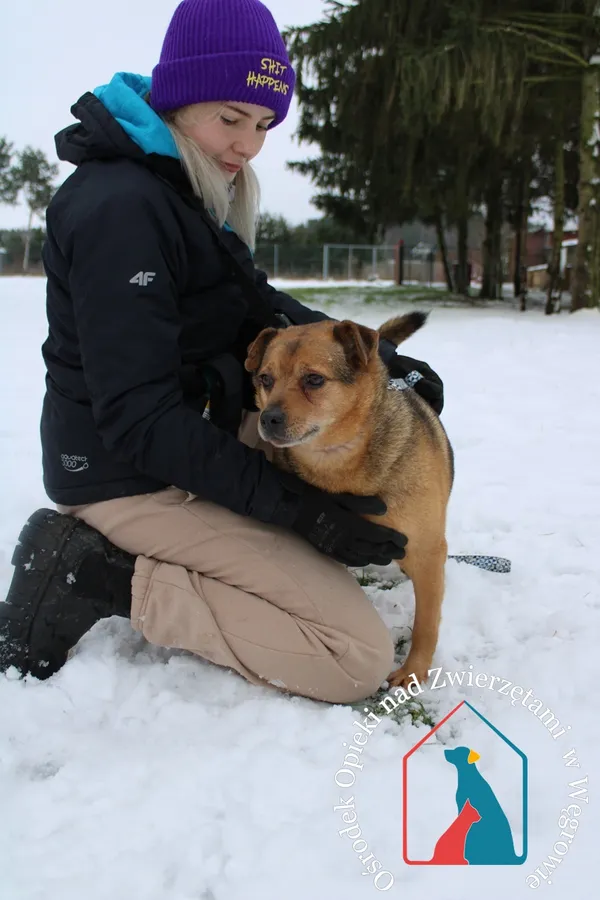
(430, 387)
(333, 524)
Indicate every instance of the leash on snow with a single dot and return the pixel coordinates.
(488, 563)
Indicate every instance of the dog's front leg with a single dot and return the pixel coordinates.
(424, 565)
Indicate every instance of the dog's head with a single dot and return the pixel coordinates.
(309, 378)
(461, 756)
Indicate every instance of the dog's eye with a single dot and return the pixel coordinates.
(314, 381)
(266, 380)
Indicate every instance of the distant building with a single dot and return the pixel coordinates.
(416, 236)
(536, 254)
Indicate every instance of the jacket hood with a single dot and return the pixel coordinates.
(115, 121)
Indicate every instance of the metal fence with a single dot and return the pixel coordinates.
(358, 261)
(348, 262)
(289, 260)
(423, 270)
(328, 261)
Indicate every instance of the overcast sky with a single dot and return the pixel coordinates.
(53, 51)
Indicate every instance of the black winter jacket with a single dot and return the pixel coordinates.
(137, 290)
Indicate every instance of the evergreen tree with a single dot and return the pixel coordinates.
(379, 80)
(586, 275)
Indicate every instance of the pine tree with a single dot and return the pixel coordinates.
(586, 275)
(378, 79)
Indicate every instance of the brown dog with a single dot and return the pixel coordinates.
(326, 408)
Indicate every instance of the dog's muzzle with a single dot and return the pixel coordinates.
(273, 423)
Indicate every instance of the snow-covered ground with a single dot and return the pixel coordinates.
(141, 773)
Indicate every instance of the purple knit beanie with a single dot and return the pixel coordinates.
(223, 50)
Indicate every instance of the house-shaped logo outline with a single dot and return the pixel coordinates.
(413, 862)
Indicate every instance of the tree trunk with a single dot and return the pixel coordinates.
(441, 237)
(27, 242)
(499, 265)
(462, 286)
(520, 260)
(554, 273)
(492, 245)
(586, 277)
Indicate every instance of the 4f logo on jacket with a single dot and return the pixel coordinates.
(142, 278)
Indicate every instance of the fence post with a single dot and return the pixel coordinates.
(350, 263)
(374, 261)
(325, 262)
(399, 259)
(275, 260)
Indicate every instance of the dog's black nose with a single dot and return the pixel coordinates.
(273, 420)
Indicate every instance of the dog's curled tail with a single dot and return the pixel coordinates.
(401, 327)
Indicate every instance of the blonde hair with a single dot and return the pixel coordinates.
(238, 207)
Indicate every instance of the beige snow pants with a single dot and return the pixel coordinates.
(253, 597)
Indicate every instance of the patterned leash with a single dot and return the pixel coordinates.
(488, 563)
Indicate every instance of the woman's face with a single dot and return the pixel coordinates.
(231, 133)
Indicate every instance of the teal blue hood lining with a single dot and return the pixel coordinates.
(123, 97)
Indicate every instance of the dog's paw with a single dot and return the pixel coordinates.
(408, 674)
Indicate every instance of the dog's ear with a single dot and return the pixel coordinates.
(256, 350)
(358, 341)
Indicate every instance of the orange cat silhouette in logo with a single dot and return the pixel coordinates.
(450, 849)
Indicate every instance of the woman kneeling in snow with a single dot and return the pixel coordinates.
(169, 511)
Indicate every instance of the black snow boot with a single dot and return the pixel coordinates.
(67, 577)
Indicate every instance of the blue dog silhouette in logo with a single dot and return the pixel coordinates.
(489, 841)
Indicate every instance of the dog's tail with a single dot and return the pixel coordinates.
(400, 328)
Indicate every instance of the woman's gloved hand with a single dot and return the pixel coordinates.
(333, 524)
(430, 386)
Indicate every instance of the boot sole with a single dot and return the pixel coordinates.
(36, 559)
